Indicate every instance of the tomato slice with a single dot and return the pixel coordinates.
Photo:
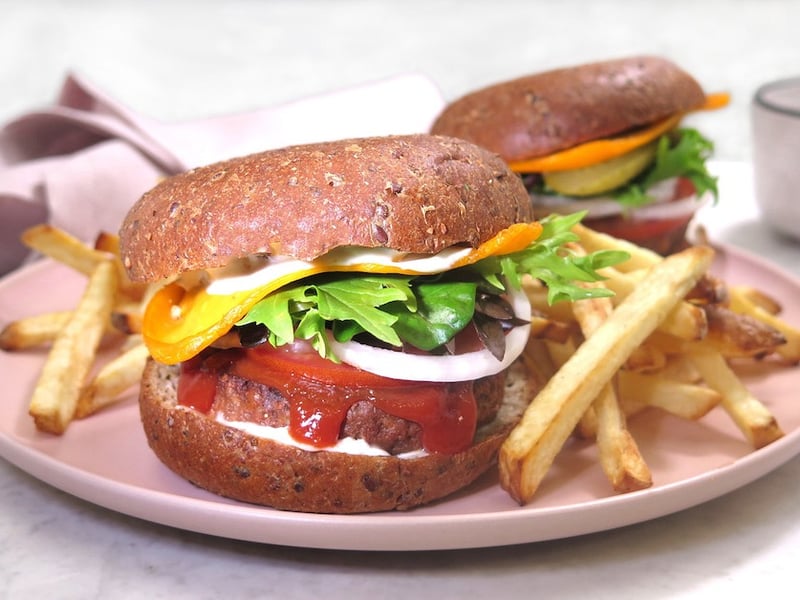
(303, 361)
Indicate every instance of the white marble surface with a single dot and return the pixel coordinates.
(182, 59)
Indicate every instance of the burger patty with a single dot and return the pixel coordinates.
(239, 399)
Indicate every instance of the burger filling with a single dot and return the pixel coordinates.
(647, 196)
(643, 185)
(337, 343)
(277, 392)
(631, 180)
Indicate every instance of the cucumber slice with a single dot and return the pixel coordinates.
(602, 177)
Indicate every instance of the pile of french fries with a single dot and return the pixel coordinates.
(75, 380)
(670, 338)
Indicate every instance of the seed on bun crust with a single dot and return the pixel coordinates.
(603, 137)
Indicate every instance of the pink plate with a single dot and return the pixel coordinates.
(105, 459)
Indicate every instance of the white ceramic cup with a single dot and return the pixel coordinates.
(775, 119)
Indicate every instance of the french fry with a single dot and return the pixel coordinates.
(113, 379)
(737, 335)
(709, 290)
(686, 321)
(130, 341)
(537, 295)
(619, 454)
(541, 327)
(758, 298)
(106, 242)
(30, 332)
(680, 368)
(559, 354)
(64, 248)
(538, 360)
(532, 446)
(55, 396)
(790, 351)
(669, 345)
(620, 458)
(685, 400)
(591, 313)
(73, 334)
(753, 418)
(742, 299)
(640, 258)
(646, 358)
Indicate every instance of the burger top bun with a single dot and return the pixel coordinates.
(417, 193)
(540, 114)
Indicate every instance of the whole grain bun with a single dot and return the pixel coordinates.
(232, 463)
(540, 114)
(417, 193)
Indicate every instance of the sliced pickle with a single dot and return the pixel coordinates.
(602, 177)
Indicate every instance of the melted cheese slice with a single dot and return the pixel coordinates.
(181, 321)
(596, 151)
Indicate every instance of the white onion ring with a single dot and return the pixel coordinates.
(458, 367)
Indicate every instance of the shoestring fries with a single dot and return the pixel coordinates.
(113, 379)
(72, 355)
(30, 332)
(669, 340)
(73, 383)
(533, 444)
(620, 458)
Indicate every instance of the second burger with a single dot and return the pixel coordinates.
(604, 137)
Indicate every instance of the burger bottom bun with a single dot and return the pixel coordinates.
(232, 463)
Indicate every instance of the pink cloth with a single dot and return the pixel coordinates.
(80, 163)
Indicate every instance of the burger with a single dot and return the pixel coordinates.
(605, 138)
(337, 326)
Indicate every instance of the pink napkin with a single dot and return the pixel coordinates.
(80, 163)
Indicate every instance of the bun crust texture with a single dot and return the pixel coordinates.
(416, 193)
(550, 111)
(233, 463)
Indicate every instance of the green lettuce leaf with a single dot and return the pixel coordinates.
(424, 311)
(350, 299)
(443, 309)
(684, 155)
